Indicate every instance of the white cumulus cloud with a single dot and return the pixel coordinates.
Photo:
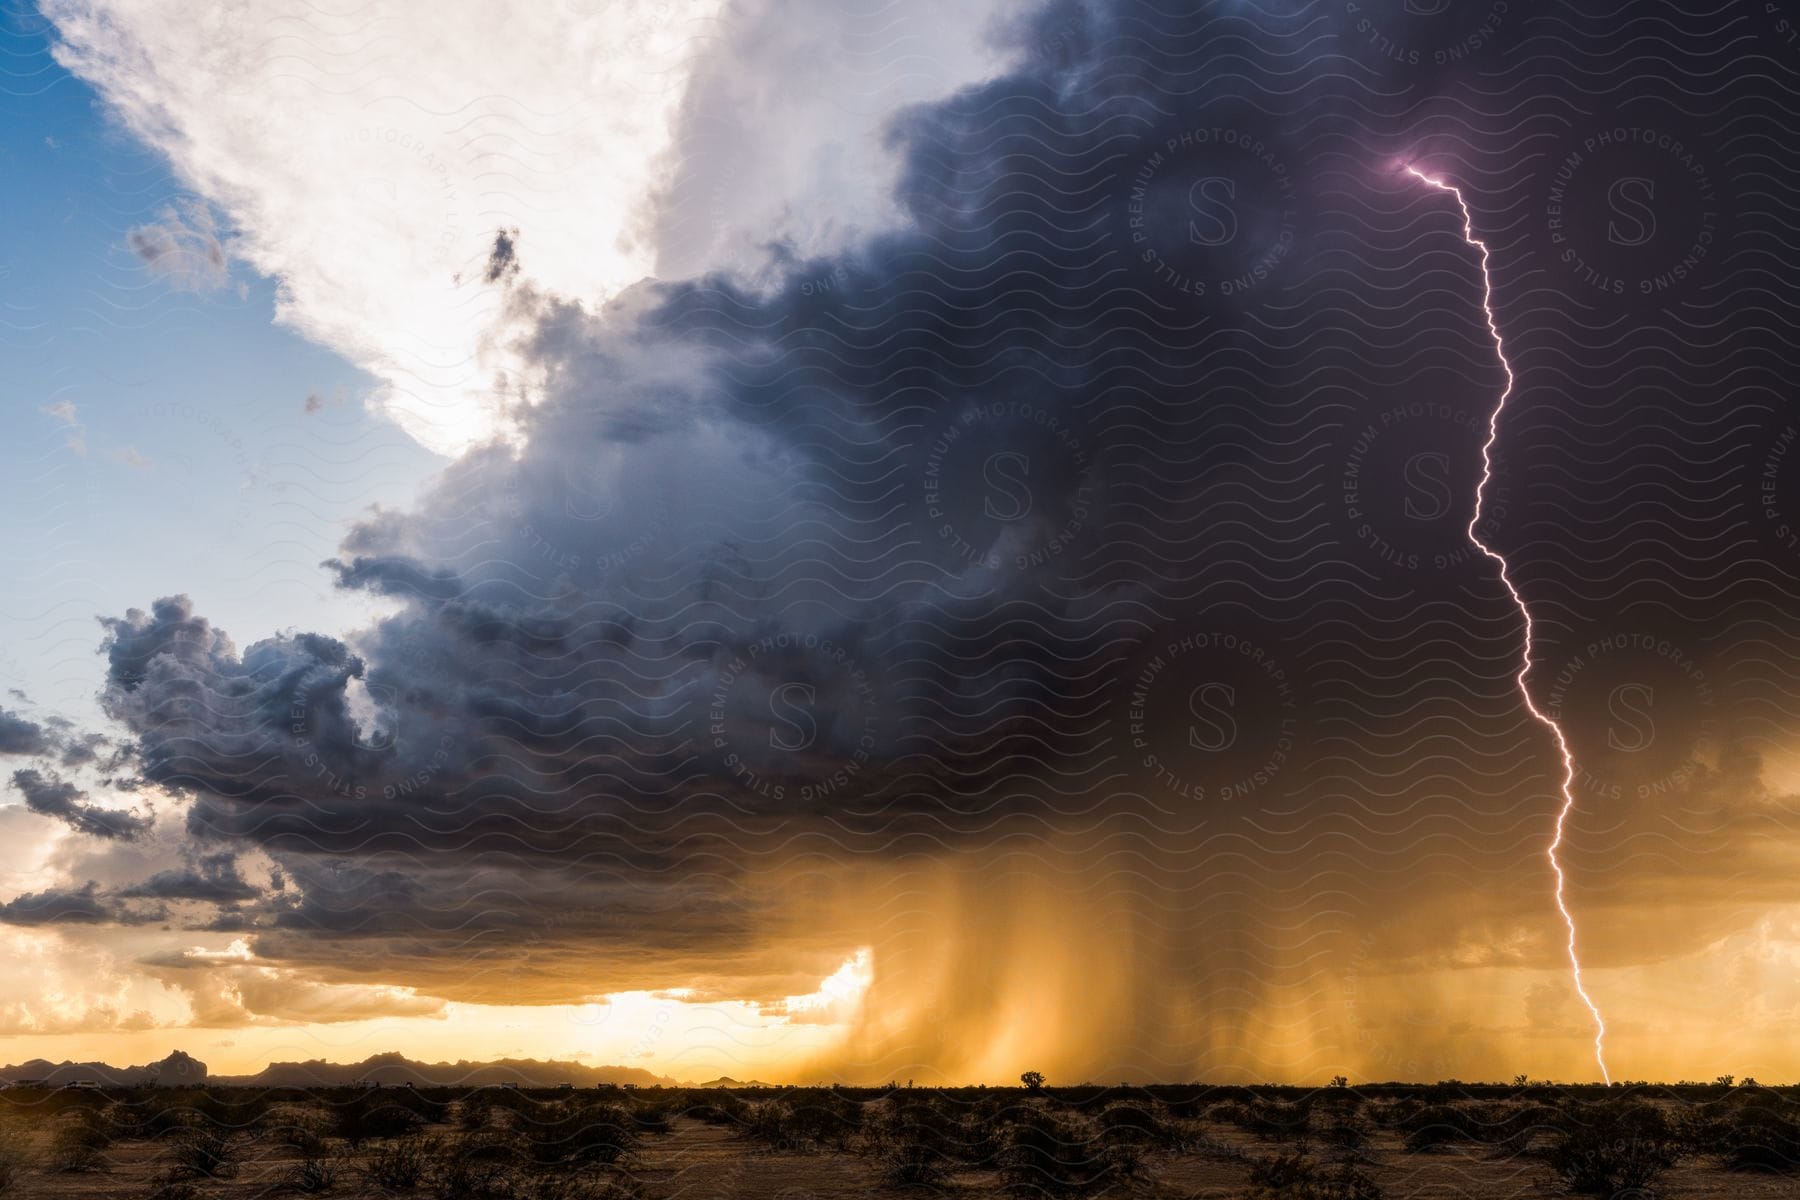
(367, 156)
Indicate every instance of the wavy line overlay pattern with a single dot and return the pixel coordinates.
(1062, 597)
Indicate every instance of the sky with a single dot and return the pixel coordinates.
(864, 541)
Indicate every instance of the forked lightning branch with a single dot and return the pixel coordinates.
(1562, 742)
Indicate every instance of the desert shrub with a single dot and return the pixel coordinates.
(1206, 1145)
(1395, 1114)
(230, 1108)
(922, 1121)
(1513, 1127)
(80, 1142)
(1282, 1172)
(169, 1188)
(506, 1099)
(202, 1153)
(1138, 1123)
(401, 1164)
(1438, 1125)
(657, 1117)
(913, 1162)
(1274, 1120)
(304, 1132)
(1613, 1147)
(580, 1134)
(821, 1117)
(474, 1168)
(1759, 1138)
(375, 1113)
(156, 1114)
(766, 1123)
(1701, 1129)
(314, 1173)
(1346, 1131)
(1346, 1183)
(1049, 1155)
(1296, 1177)
(12, 1160)
(475, 1113)
(1186, 1108)
(717, 1107)
(983, 1130)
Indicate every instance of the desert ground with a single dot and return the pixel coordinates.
(502, 1143)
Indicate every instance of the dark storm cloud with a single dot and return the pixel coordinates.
(847, 565)
(214, 879)
(58, 798)
(20, 736)
(80, 750)
(61, 906)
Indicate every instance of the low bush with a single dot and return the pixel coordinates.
(1139, 1123)
(923, 1121)
(654, 1118)
(766, 1123)
(820, 1117)
(474, 1168)
(1437, 1125)
(81, 1140)
(376, 1113)
(1274, 1120)
(913, 1163)
(1050, 1155)
(202, 1153)
(1347, 1134)
(1296, 1177)
(574, 1133)
(1760, 1138)
(1612, 1148)
(718, 1108)
(314, 1174)
(12, 1160)
(401, 1164)
(156, 1114)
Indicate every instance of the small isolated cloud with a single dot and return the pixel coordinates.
(20, 736)
(132, 458)
(317, 403)
(53, 797)
(59, 906)
(503, 259)
(65, 412)
(214, 879)
(182, 248)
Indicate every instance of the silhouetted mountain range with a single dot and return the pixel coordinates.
(178, 1068)
(390, 1069)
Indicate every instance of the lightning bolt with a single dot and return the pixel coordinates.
(1562, 742)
